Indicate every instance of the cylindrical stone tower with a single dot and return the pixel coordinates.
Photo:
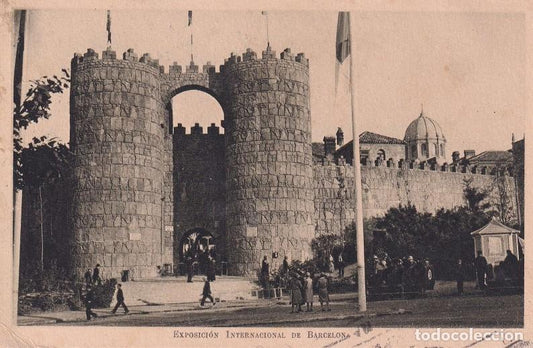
(117, 135)
(268, 159)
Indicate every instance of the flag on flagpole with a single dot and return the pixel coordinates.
(343, 36)
(264, 13)
(342, 44)
(189, 19)
(108, 27)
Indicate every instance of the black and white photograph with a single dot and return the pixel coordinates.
(265, 176)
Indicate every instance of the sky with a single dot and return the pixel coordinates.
(467, 69)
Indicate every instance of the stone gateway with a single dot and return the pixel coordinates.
(145, 192)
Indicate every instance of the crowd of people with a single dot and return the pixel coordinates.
(404, 275)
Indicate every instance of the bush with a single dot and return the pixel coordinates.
(103, 294)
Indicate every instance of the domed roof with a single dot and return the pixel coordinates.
(423, 127)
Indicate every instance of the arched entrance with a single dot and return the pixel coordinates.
(196, 242)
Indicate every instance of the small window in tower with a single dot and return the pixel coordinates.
(413, 151)
(442, 150)
(436, 150)
(424, 150)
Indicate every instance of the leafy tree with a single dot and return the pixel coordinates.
(34, 108)
(372, 244)
(406, 231)
(474, 197)
(43, 161)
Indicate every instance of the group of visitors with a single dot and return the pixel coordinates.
(403, 274)
(339, 264)
(302, 292)
(93, 278)
(506, 270)
(206, 263)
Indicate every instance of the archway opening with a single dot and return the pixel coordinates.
(199, 245)
(199, 173)
(195, 106)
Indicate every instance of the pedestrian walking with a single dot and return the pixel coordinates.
(89, 299)
(97, 280)
(120, 300)
(481, 270)
(323, 295)
(331, 265)
(206, 293)
(309, 292)
(296, 295)
(460, 274)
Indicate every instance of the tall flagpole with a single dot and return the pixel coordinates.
(189, 24)
(360, 236)
(265, 13)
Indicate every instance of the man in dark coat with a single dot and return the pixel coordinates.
(96, 275)
(511, 265)
(340, 265)
(88, 277)
(89, 299)
(460, 274)
(285, 266)
(120, 300)
(481, 269)
(265, 272)
(211, 269)
(190, 270)
(206, 293)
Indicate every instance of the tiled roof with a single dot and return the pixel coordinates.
(492, 156)
(373, 138)
(494, 227)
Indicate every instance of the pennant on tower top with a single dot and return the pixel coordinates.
(343, 36)
(108, 27)
(190, 19)
(264, 13)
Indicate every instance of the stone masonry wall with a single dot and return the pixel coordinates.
(268, 157)
(117, 135)
(386, 187)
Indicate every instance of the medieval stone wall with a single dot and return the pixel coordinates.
(118, 139)
(386, 187)
(268, 157)
(199, 185)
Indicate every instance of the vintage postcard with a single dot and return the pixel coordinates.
(265, 175)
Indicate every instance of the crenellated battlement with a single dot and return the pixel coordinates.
(131, 56)
(268, 54)
(422, 166)
(212, 130)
